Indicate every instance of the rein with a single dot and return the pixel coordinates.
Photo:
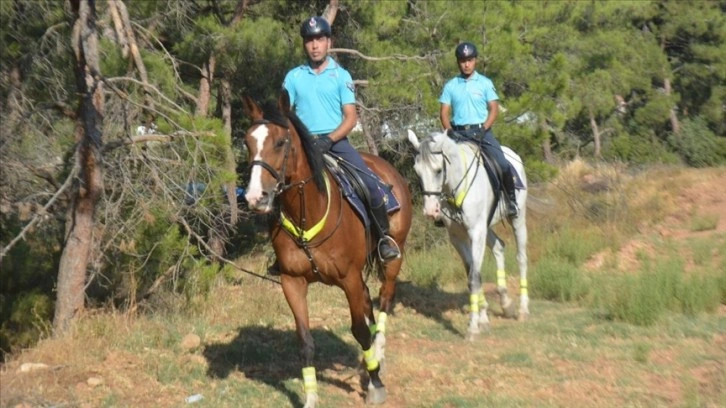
(299, 233)
(458, 199)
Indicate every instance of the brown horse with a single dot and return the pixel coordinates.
(318, 236)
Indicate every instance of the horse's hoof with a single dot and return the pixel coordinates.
(484, 327)
(523, 316)
(311, 401)
(472, 335)
(376, 396)
(510, 312)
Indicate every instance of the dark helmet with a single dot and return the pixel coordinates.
(466, 50)
(315, 26)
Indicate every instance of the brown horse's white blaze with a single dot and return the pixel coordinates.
(255, 190)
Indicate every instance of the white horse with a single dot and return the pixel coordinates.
(457, 191)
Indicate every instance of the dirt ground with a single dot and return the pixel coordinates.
(24, 385)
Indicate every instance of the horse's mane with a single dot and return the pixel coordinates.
(315, 158)
(427, 155)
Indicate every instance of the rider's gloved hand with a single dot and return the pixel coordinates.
(323, 143)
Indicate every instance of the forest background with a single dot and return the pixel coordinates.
(121, 129)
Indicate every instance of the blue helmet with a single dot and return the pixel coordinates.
(315, 26)
(466, 50)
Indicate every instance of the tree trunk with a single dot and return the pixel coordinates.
(595, 134)
(547, 151)
(225, 101)
(367, 134)
(675, 125)
(331, 10)
(89, 186)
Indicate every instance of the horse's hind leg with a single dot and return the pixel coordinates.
(361, 309)
(497, 246)
(295, 290)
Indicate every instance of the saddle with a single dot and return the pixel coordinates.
(494, 172)
(354, 189)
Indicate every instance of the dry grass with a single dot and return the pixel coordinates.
(563, 356)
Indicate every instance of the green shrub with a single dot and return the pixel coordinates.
(556, 279)
(697, 144)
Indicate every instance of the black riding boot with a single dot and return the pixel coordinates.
(387, 248)
(508, 182)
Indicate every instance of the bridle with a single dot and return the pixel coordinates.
(298, 233)
(451, 197)
(279, 177)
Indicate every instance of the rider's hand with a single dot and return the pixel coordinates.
(323, 143)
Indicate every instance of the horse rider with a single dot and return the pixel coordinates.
(475, 103)
(323, 95)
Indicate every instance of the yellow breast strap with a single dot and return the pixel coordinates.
(461, 195)
(312, 232)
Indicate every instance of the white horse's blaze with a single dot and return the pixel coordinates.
(254, 188)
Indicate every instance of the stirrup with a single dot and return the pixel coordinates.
(512, 210)
(388, 240)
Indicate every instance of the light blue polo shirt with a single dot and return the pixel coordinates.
(319, 98)
(468, 98)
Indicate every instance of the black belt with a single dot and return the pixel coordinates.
(467, 127)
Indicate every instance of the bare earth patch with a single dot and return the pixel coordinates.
(537, 363)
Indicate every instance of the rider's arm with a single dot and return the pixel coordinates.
(444, 116)
(493, 113)
(350, 118)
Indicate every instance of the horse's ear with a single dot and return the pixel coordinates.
(284, 102)
(251, 109)
(413, 139)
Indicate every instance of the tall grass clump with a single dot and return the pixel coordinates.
(559, 280)
(643, 298)
(440, 266)
(567, 244)
(706, 222)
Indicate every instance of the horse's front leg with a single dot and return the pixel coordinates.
(520, 235)
(296, 290)
(386, 298)
(479, 317)
(472, 258)
(361, 314)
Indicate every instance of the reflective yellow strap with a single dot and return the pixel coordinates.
(523, 287)
(310, 383)
(501, 278)
(482, 300)
(474, 302)
(382, 317)
(312, 232)
(370, 358)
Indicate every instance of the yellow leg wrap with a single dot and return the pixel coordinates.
(382, 317)
(523, 287)
(474, 303)
(482, 300)
(370, 358)
(310, 382)
(373, 328)
(501, 278)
